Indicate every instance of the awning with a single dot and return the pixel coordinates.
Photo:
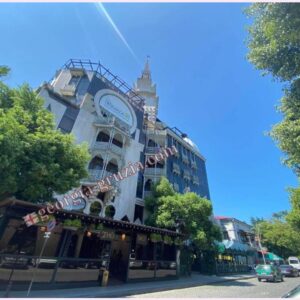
(220, 247)
(272, 256)
(237, 246)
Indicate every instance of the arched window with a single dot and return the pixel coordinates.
(110, 211)
(148, 185)
(118, 140)
(103, 137)
(95, 208)
(112, 166)
(96, 163)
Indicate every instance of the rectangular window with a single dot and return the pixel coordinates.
(67, 121)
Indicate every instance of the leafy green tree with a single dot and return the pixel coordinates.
(293, 216)
(280, 237)
(36, 160)
(274, 48)
(167, 208)
(274, 41)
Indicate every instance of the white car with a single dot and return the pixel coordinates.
(294, 262)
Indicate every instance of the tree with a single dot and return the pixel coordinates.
(36, 160)
(274, 48)
(167, 208)
(293, 216)
(274, 41)
(279, 237)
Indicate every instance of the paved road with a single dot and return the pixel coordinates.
(249, 288)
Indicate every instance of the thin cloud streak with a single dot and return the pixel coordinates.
(100, 7)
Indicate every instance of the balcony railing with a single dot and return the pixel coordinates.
(95, 175)
(196, 180)
(186, 175)
(68, 90)
(176, 168)
(155, 171)
(108, 146)
(152, 150)
(194, 164)
(185, 158)
(112, 121)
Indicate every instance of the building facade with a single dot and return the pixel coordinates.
(239, 247)
(121, 126)
(101, 110)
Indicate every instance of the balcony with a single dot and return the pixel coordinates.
(196, 180)
(96, 175)
(152, 150)
(110, 147)
(186, 175)
(112, 121)
(155, 172)
(176, 169)
(185, 158)
(68, 90)
(193, 164)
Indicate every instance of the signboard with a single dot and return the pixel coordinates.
(117, 107)
(107, 235)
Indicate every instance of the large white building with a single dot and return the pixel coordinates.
(120, 126)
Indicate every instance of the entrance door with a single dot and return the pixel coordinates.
(119, 259)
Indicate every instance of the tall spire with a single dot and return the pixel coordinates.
(146, 72)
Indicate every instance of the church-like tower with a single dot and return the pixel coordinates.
(147, 89)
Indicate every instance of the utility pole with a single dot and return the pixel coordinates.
(46, 237)
(259, 243)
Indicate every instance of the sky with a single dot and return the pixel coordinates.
(206, 86)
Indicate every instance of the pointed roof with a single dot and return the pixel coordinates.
(146, 72)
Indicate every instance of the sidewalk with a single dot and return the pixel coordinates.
(131, 288)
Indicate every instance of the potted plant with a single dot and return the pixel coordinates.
(96, 228)
(72, 224)
(155, 237)
(168, 240)
(178, 241)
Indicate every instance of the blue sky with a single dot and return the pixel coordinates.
(205, 84)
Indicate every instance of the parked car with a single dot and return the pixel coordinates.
(269, 273)
(288, 270)
(294, 293)
(294, 261)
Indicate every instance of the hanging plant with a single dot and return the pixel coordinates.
(168, 240)
(96, 227)
(155, 237)
(45, 222)
(178, 241)
(72, 224)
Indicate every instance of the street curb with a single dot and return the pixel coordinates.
(145, 290)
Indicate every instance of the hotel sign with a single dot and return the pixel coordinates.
(117, 107)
